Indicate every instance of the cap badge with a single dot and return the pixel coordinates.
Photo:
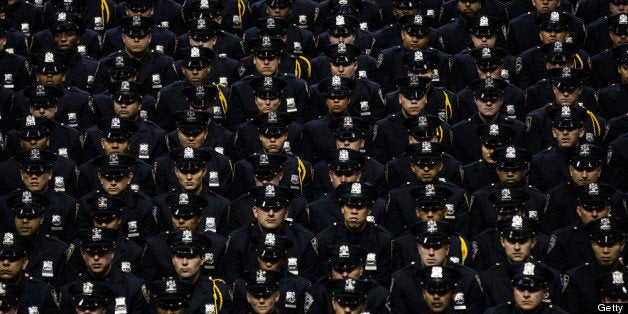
(119, 61)
(343, 155)
(340, 20)
(199, 91)
(200, 24)
(204, 4)
(555, 17)
(266, 42)
(349, 285)
(113, 160)
(418, 19)
(188, 153)
(272, 117)
(489, 83)
(618, 278)
(342, 48)
(486, 53)
(493, 130)
(49, 57)
(137, 21)
(528, 269)
(195, 52)
(517, 222)
(270, 23)
(356, 188)
(96, 234)
(566, 72)
(506, 196)
(88, 288)
(422, 122)
(40, 91)
(623, 19)
(343, 251)
(432, 226)
(115, 123)
(3, 289)
(125, 86)
(585, 150)
(418, 56)
(270, 239)
(343, 2)
(347, 122)
(171, 286)
(61, 17)
(511, 152)
(437, 272)
(260, 276)
(335, 81)
(605, 224)
(190, 115)
(430, 190)
(186, 237)
(484, 21)
(184, 199)
(594, 189)
(102, 202)
(565, 112)
(426, 147)
(558, 46)
(35, 154)
(270, 191)
(30, 121)
(8, 239)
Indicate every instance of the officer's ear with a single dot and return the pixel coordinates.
(533, 242)
(24, 263)
(276, 296)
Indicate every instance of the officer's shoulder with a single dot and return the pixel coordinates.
(584, 267)
(300, 229)
(380, 229)
(55, 240)
(131, 278)
(493, 268)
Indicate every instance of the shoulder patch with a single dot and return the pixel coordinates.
(564, 281)
(55, 296)
(518, 64)
(375, 129)
(380, 59)
(307, 304)
(392, 284)
(314, 242)
(609, 154)
(69, 251)
(477, 279)
(552, 243)
(528, 123)
(145, 293)
(474, 250)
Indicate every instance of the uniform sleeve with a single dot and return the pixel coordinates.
(571, 298)
(555, 257)
(535, 137)
(235, 114)
(379, 148)
(398, 303)
(309, 261)
(149, 268)
(233, 261)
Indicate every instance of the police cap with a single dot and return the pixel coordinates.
(341, 25)
(190, 160)
(430, 197)
(567, 79)
(559, 52)
(266, 47)
(262, 283)
(171, 294)
(586, 157)
(117, 129)
(531, 276)
(10, 294)
(67, 22)
(420, 61)
(196, 57)
(509, 201)
(97, 240)
(484, 26)
(72, 6)
(272, 26)
(494, 135)
(127, 92)
(488, 89)
(567, 117)
(122, 67)
(511, 158)
(613, 283)
(35, 161)
(517, 228)
(417, 25)
(185, 205)
(188, 243)
(105, 207)
(270, 196)
(406, 4)
(607, 231)
(432, 233)
(346, 257)
(346, 162)
(43, 96)
(14, 246)
(349, 292)
(268, 87)
(424, 126)
(136, 26)
(200, 97)
(50, 62)
(356, 194)
(114, 166)
(342, 53)
(33, 128)
(191, 122)
(348, 128)
(91, 294)
(139, 5)
(554, 21)
(272, 124)
(266, 166)
(413, 86)
(27, 204)
(336, 87)
(618, 24)
(439, 279)
(488, 59)
(203, 29)
(594, 196)
(271, 247)
(426, 153)
(202, 9)
(621, 54)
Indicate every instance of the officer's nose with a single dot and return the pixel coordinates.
(431, 251)
(345, 274)
(517, 246)
(188, 176)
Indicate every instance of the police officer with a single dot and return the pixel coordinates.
(569, 246)
(346, 261)
(34, 172)
(488, 95)
(348, 295)
(530, 284)
(345, 167)
(422, 128)
(456, 33)
(90, 296)
(270, 211)
(14, 253)
(273, 132)
(366, 99)
(196, 65)
(262, 290)
(562, 86)
(43, 134)
(13, 63)
(608, 238)
(612, 286)
(170, 295)
(147, 143)
(585, 167)
(517, 243)
(615, 156)
(415, 32)
(116, 139)
(71, 106)
(114, 174)
(97, 249)
(68, 35)
(433, 246)
(207, 97)
(180, 168)
(511, 165)
(611, 98)
(299, 41)
(294, 291)
(390, 35)
(426, 162)
(268, 60)
(155, 70)
(127, 254)
(249, 134)
(346, 29)
(615, 128)
(370, 15)
(24, 16)
(189, 252)
(185, 212)
(350, 133)
(10, 295)
(603, 65)
(299, 12)
(483, 63)
(206, 31)
(356, 203)
(439, 289)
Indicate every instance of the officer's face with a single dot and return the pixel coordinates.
(263, 305)
(36, 182)
(617, 8)
(426, 173)
(349, 39)
(115, 147)
(495, 73)
(282, 12)
(527, 300)
(344, 70)
(516, 251)
(11, 270)
(586, 216)
(188, 267)
(11, 310)
(44, 112)
(51, 79)
(27, 227)
(266, 67)
(355, 273)
(567, 97)
(607, 255)
(270, 265)
(567, 137)
(483, 42)
(433, 256)
(67, 41)
(273, 144)
(267, 105)
(3, 42)
(553, 36)
(469, 8)
(488, 108)
(354, 216)
(99, 310)
(270, 219)
(192, 140)
(337, 106)
(510, 178)
(134, 45)
(585, 175)
(147, 13)
(426, 214)
(401, 12)
(413, 43)
(127, 111)
(618, 39)
(614, 299)
(41, 143)
(111, 224)
(336, 179)
(190, 181)
(438, 302)
(181, 223)
(544, 6)
(274, 180)
(341, 309)
(486, 154)
(412, 107)
(99, 263)
(623, 71)
(207, 44)
(356, 144)
(115, 186)
(196, 76)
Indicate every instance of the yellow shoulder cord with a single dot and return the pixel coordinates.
(439, 133)
(579, 60)
(217, 293)
(309, 66)
(297, 68)
(222, 98)
(301, 169)
(596, 124)
(104, 11)
(241, 9)
(463, 249)
(448, 109)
